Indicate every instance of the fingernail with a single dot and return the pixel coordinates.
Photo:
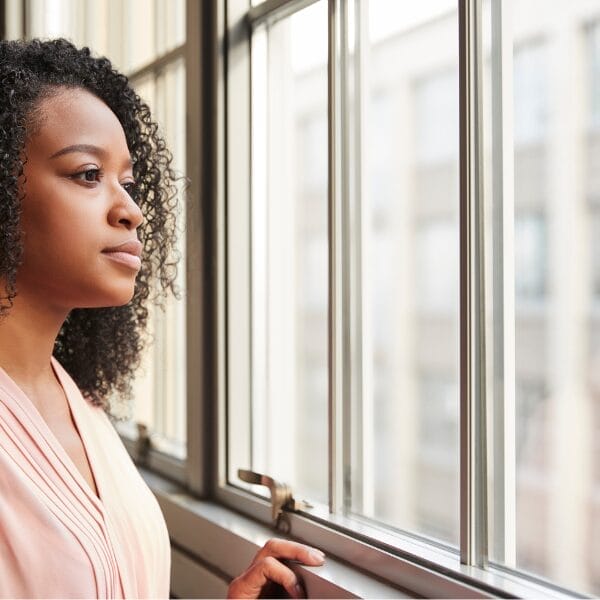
(298, 591)
(317, 554)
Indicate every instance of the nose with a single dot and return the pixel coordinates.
(124, 212)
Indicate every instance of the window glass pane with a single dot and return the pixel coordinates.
(163, 29)
(132, 33)
(544, 402)
(170, 32)
(94, 23)
(160, 387)
(594, 75)
(531, 95)
(289, 405)
(56, 18)
(403, 131)
(530, 256)
(141, 49)
(170, 398)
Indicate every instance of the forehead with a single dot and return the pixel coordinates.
(75, 116)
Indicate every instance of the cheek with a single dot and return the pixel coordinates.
(59, 233)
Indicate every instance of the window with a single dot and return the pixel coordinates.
(152, 55)
(595, 253)
(542, 298)
(288, 323)
(530, 256)
(531, 95)
(436, 107)
(593, 50)
(289, 295)
(411, 358)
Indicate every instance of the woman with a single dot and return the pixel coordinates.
(87, 222)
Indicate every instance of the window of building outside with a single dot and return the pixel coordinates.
(593, 67)
(353, 315)
(150, 51)
(541, 509)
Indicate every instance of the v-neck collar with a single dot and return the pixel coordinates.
(75, 410)
(74, 400)
(78, 404)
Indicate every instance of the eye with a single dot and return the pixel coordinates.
(130, 187)
(88, 176)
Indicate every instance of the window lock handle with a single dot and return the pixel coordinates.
(143, 443)
(282, 499)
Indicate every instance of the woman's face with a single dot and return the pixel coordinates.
(77, 205)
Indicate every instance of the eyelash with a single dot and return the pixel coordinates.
(129, 186)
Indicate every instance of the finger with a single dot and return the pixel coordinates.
(262, 572)
(275, 571)
(292, 551)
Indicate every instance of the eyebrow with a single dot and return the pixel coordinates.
(87, 149)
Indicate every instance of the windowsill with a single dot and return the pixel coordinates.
(221, 543)
(128, 432)
(224, 543)
(157, 461)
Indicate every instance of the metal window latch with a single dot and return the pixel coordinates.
(142, 444)
(282, 500)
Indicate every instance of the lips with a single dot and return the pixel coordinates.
(128, 253)
(130, 247)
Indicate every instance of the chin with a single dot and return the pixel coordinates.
(122, 299)
(118, 297)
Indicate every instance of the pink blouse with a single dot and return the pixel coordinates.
(57, 539)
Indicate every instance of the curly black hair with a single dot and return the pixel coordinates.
(101, 348)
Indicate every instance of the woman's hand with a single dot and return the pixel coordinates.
(266, 568)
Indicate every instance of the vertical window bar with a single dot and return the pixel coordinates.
(336, 250)
(14, 19)
(361, 432)
(237, 185)
(473, 530)
(220, 440)
(200, 242)
(2, 20)
(259, 110)
(503, 411)
(346, 239)
(26, 18)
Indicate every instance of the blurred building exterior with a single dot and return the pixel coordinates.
(410, 206)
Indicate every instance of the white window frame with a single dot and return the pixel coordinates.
(402, 560)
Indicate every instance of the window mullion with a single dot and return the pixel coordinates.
(3, 13)
(473, 518)
(361, 430)
(235, 367)
(346, 258)
(14, 13)
(503, 411)
(201, 139)
(336, 291)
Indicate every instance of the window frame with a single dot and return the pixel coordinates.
(160, 461)
(406, 561)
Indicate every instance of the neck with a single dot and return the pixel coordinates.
(27, 336)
